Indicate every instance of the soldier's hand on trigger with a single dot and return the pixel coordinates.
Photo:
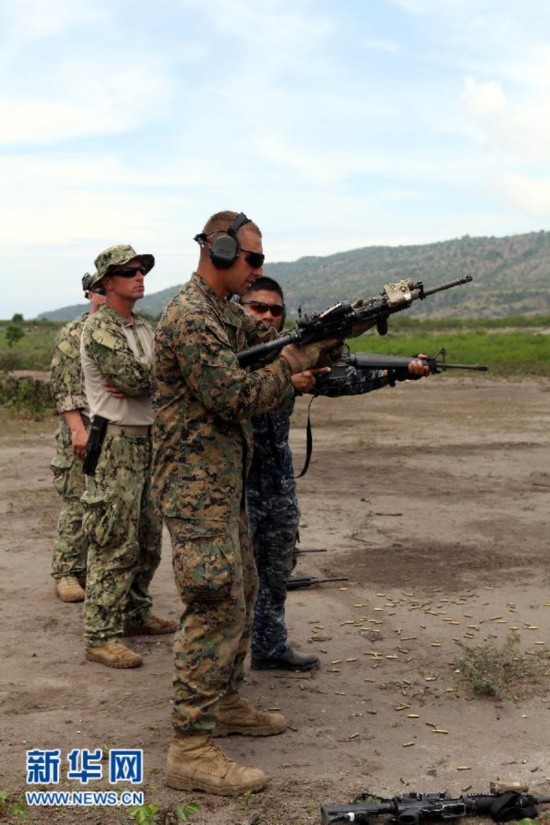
(116, 393)
(300, 359)
(305, 381)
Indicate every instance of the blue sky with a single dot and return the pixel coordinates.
(334, 125)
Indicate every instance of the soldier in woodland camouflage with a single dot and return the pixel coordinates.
(67, 387)
(203, 406)
(120, 521)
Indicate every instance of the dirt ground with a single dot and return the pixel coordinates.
(433, 499)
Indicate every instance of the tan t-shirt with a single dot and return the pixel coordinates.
(119, 352)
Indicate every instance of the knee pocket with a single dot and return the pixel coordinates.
(205, 568)
(105, 520)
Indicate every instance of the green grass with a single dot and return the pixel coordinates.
(510, 346)
(505, 353)
(401, 322)
(33, 351)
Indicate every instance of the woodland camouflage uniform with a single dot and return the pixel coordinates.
(121, 523)
(203, 405)
(69, 554)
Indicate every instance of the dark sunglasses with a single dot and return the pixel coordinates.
(129, 271)
(275, 309)
(255, 259)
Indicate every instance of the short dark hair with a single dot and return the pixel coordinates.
(266, 283)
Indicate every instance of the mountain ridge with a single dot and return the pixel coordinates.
(511, 276)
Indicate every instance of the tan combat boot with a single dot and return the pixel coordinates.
(155, 626)
(113, 654)
(236, 715)
(69, 590)
(196, 763)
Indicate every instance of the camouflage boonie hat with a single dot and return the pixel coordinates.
(117, 255)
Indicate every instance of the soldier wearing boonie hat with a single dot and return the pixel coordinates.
(122, 525)
(67, 387)
(118, 256)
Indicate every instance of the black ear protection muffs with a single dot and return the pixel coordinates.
(225, 249)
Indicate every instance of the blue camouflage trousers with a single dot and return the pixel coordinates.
(124, 530)
(216, 579)
(70, 547)
(273, 530)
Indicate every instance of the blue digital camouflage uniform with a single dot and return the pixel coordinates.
(69, 553)
(203, 404)
(274, 517)
(122, 525)
(273, 509)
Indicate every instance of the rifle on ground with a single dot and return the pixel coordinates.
(296, 582)
(416, 808)
(300, 550)
(338, 320)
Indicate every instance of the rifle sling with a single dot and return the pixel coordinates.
(309, 441)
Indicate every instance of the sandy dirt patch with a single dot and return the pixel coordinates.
(433, 499)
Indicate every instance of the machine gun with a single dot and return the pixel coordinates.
(339, 319)
(416, 808)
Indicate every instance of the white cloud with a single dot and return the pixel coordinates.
(484, 100)
(101, 100)
(35, 19)
(333, 126)
(527, 194)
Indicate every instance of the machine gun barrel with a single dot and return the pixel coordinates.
(466, 279)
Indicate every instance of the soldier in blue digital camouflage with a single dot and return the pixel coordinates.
(203, 405)
(273, 509)
(122, 525)
(69, 395)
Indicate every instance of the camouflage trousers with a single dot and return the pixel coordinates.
(124, 531)
(216, 579)
(70, 547)
(273, 530)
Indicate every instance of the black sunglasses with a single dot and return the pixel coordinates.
(255, 259)
(129, 271)
(275, 309)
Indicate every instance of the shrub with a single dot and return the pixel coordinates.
(25, 395)
(501, 672)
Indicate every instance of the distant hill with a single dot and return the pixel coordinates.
(511, 276)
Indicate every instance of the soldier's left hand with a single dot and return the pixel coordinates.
(79, 439)
(418, 369)
(116, 393)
